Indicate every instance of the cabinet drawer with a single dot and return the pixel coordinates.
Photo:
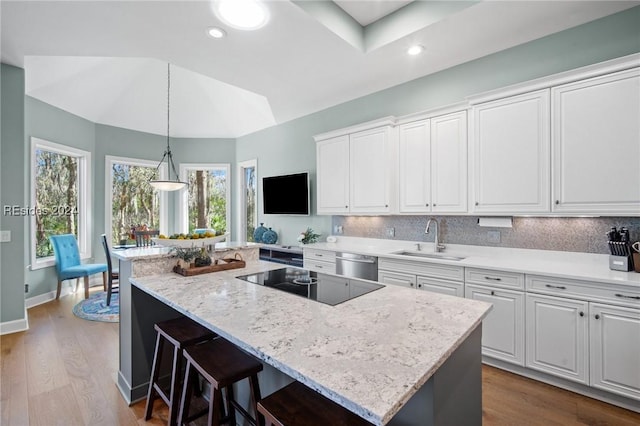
(397, 278)
(319, 266)
(434, 270)
(315, 254)
(493, 278)
(452, 288)
(584, 290)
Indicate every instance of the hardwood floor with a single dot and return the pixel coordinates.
(63, 372)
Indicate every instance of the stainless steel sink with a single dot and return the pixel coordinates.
(427, 255)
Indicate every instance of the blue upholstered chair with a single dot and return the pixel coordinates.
(68, 266)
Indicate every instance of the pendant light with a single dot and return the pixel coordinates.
(168, 185)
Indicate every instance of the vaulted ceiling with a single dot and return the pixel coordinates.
(107, 60)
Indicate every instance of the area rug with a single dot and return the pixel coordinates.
(95, 308)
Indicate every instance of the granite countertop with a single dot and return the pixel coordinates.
(570, 265)
(155, 252)
(337, 350)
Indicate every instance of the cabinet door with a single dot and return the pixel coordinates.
(332, 289)
(615, 349)
(503, 327)
(451, 288)
(332, 157)
(557, 340)
(449, 163)
(371, 160)
(510, 152)
(414, 167)
(596, 145)
(397, 278)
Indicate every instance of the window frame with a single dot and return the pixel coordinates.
(241, 212)
(85, 201)
(109, 161)
(183, 204)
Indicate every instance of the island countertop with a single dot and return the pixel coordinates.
(369, 354)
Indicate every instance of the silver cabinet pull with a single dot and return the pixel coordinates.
(559, 287)
(628, 297)
(493, 278)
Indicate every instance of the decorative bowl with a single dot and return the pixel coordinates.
(200, 242)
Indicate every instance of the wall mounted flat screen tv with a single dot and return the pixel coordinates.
(286, 194)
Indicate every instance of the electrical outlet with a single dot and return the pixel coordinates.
(391, 232)
(26, 288)
(5, 236)
(338, 230)
(493, 236)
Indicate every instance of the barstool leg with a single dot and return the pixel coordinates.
(215, 406)
(255, 397)
(231, 411)
(186, 394)
(175, 384)
(155, 372)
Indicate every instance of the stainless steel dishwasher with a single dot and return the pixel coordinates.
(357, 266)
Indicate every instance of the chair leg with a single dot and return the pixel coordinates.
(175, 386)
(86, 287)
(187, 393)
(77, 284)
(104, 281)
(109, 291)
(59, 289)
(155, 373)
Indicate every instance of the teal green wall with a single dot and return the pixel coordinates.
(289, 147)
(12, 161)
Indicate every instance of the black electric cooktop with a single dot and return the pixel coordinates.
(305, 283)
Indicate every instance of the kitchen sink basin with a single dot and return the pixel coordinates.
(428, 255)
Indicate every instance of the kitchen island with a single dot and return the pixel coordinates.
(392, 356)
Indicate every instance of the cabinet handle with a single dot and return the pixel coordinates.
(581, 314)
(319, 266)
(346, 207)
(386, 205)
(319, 255)
(557, 202)
(411, 284)
(419, 285)
(597, 316)
(427, 204)
(434, 204)
(493, 278)
(493, 293)
(477, 203)
(346, 284)
(559, 287)
(628, 297)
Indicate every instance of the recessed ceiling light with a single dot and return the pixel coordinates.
(415, 50)
(242, 14)
(216, 32)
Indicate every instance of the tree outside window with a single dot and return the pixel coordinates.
(207, 199)
(59, 197)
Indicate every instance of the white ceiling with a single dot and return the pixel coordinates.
(106, 60)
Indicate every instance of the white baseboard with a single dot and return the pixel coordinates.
(15, 325)
(68, 287)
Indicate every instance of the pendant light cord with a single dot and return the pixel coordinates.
(168, 153)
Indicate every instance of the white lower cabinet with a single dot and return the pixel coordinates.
(452, 288)
(434, 277)
(503, 328)
(397, 278)
(615, 349)
(557, 337)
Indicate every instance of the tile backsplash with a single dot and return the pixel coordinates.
(553, 233)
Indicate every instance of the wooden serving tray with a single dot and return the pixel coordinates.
(228, 264)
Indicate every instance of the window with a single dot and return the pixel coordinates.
(130, 201)
(248, 199)
(205, 203)
(60, 202)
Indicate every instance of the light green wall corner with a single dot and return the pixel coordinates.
(12, 160)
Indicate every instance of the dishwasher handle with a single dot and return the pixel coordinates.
(353, 259)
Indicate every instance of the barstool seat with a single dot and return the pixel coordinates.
(221, 364)
(297, 405)
(181, 333)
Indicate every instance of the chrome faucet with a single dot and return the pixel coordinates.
(437, 247)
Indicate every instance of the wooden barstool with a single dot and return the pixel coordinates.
(221, 364)
(181, 333)
(297, 405)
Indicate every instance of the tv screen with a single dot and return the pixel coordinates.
(287, 194)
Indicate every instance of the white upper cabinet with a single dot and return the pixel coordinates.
(332, 156)
(371, 169)
(510, 152)
(596, 145)
(356, 169)
(414, 167)
(449, 163)
(433, 165)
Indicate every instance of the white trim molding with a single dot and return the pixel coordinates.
(15, 326)
(241, 210)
